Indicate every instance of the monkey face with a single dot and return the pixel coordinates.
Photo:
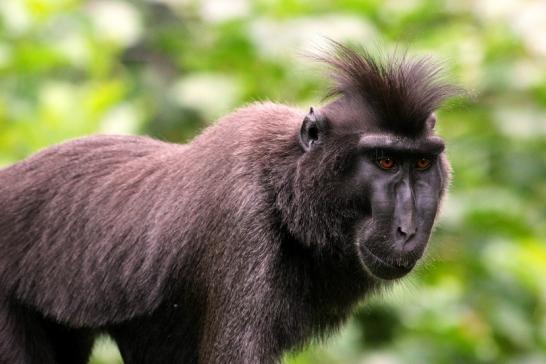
(389, 192)
(402, 181)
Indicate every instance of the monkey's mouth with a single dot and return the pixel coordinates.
(382, 269)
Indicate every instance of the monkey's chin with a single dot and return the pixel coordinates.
(381, 269)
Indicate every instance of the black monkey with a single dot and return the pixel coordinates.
(263, 232)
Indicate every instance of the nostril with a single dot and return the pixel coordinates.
(404, 241)
(406, 233)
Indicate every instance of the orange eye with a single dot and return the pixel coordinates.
(423, 163)
(386, 163)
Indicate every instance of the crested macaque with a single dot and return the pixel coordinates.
(263, 232)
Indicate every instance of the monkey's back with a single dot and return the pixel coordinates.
(99, 230)
(74, 215)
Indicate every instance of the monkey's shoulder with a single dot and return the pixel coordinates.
(265, 113)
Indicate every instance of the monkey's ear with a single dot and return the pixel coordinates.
(312, 130)
(431, 121)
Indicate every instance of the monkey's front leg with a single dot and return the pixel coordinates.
(244, 337)
(231, 346)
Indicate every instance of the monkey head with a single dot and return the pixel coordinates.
(386, 187)
(372, 172)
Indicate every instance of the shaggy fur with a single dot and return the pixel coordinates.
(400, 92)
(231, 249)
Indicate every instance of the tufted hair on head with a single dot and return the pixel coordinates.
(401, 92)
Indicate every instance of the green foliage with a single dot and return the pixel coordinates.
(168, 68)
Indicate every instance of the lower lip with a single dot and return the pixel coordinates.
(381, 269)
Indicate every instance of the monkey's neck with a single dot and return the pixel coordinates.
(329, 284)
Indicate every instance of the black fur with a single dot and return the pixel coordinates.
(231, 249)
(401, 92)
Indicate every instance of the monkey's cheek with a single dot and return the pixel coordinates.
(382, 269)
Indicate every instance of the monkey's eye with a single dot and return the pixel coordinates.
(386, 163)
(423, 163)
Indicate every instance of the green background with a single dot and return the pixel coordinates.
(168, 68)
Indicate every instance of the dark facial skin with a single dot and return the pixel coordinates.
(403, 189)
(400, 182)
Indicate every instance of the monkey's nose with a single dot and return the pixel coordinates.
(407, 232)
(404, 236)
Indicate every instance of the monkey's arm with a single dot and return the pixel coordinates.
(79, 229)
